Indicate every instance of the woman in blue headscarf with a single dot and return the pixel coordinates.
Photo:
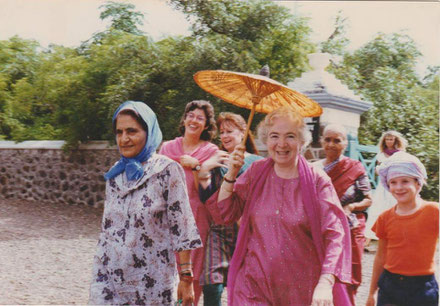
(147, 217)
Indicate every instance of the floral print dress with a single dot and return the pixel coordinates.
(144, 223)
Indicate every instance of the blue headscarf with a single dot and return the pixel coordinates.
(133, 166)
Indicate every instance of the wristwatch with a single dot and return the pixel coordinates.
(196, 168)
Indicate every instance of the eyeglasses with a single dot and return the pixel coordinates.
(192, 116)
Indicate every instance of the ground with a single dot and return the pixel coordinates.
(46, 253)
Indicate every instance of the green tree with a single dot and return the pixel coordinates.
(123, 17)
(71, 93)
(383, 72)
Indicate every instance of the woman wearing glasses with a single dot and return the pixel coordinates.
(197, 128)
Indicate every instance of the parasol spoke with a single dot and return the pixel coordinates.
(242, 89)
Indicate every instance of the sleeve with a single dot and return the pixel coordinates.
(331, 226)
(436, 218)
(363, 184)
(100, 288)
(379, 226)
(380, 157)
(182, 226)
(230, 209)
(206, 193)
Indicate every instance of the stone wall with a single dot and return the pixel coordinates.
(42, 170)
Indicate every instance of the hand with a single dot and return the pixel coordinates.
(348, 209)
(323, 293)
(236, 158)
(219, 159)
(371, 301)
(185, 292)
(188, 161)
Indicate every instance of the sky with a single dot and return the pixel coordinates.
(69, 22)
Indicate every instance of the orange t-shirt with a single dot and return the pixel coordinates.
(411, 240)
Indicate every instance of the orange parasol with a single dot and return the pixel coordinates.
(255, 92)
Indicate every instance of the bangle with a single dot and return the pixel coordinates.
(184, 264)
(186, 272)
(186, 278)
(229, 181)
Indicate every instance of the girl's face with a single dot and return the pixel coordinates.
(283, 142)
(389, 141)
(130, 136)
(230, 135)
(404, 189)
(333, 144)
(195, 122)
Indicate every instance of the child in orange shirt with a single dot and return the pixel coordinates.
(408, 233)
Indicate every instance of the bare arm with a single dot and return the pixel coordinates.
(378, 268)
(360, 206)
(185, 290)
(236, 161)
(219, 159)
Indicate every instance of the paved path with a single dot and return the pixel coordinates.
(46, 253)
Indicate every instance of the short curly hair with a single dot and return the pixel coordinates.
(289, 113)
(210, 130)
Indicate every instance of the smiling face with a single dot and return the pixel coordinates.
(404, 189)
(130, 136)
(195, 122)
(333, 144)
(389, 141)
(230, 135)
(283, 142)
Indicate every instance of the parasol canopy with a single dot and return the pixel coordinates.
(253, 90)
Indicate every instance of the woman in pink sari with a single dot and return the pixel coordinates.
(293, 245)
(198, 127)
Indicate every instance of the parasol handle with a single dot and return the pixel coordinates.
(251, 116)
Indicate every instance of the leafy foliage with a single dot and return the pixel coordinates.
(383, 71)
(123, 17)
(64, 93)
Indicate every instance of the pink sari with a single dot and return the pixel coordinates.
(307, 180)
(174, 150)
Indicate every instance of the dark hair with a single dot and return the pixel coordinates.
(238, 121)
(132, 114)
(210, 127)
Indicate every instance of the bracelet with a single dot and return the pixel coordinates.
(229, 181)
(184, 264)
(186, 272)
(186, 278)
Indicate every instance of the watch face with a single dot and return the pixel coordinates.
(197, 168)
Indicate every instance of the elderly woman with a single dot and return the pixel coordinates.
(147, 217)
(198, 128)
(390, 143)
(293, 243)
(353, 188)
(221, 239)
